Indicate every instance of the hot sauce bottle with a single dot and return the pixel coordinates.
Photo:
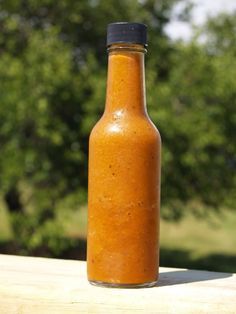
(124, 171)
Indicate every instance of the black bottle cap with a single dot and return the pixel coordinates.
(124, 32)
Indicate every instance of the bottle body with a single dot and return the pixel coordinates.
(124, 182)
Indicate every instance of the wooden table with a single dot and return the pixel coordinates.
(41, 285)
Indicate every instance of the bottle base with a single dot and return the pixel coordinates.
(123, 285)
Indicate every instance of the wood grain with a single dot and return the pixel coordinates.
(39, 285)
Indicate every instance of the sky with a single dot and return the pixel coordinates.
(202, 9)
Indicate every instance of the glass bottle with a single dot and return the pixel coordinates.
(124, 172)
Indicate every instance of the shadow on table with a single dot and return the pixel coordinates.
(186, 276)
(218, 264)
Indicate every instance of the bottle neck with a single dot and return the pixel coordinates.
(126, 79)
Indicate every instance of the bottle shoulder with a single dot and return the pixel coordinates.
(125, 127)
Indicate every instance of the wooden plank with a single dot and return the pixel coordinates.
(32, 285)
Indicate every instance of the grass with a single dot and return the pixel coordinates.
(5, 226)
(75, 225)
(214, 235)
(206, 243)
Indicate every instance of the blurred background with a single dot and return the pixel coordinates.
(53, 65)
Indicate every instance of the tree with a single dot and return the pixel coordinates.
(196, 115)
(52, 91)
(52, 86)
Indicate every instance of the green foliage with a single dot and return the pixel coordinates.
(198, 102)
(52, 91)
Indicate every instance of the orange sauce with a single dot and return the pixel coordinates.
(124, 180)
